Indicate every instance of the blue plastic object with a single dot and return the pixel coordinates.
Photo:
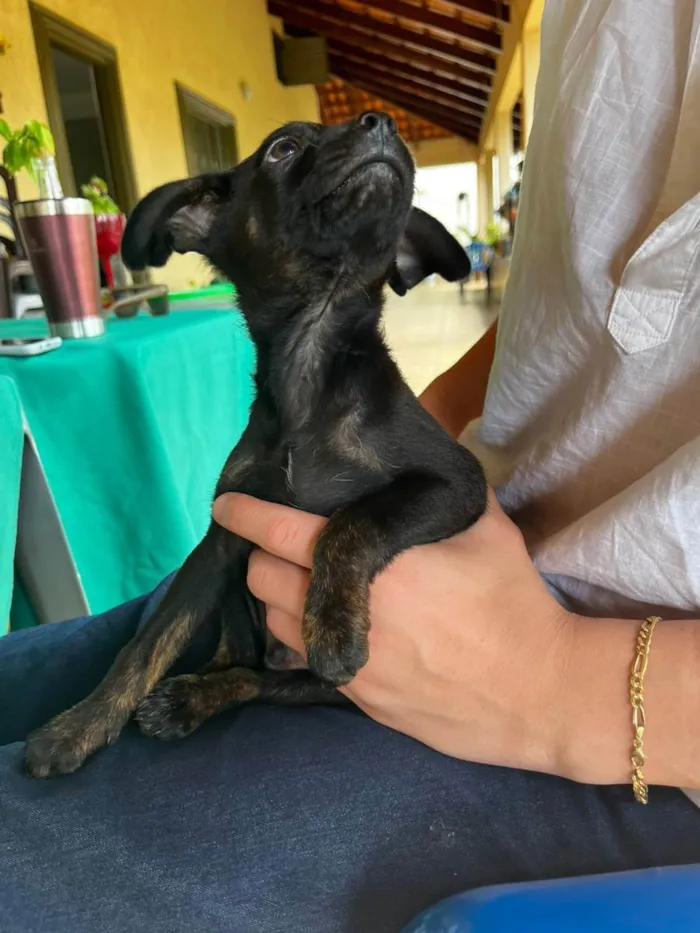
(658, 900)
(480, 256)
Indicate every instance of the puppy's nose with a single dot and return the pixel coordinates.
(373, 121)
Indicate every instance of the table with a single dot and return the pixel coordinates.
(132, 430)
(11, 444)
(222, 295)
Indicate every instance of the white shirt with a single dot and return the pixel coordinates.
(591, 427)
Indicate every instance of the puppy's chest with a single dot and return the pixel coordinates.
(321, 478)
(331, 463)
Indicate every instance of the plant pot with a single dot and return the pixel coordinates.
(59, 237)
(110, 228)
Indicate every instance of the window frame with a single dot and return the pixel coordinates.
(52, 30)
(192, 105)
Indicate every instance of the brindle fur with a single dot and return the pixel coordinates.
(310, 240)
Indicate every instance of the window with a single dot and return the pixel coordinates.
(209, 133)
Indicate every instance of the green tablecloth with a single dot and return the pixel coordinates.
(132, 429)
(11, 441)
(209, 298)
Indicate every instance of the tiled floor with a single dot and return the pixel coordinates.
(431, 328)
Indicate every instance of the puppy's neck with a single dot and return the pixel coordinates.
(297, 359)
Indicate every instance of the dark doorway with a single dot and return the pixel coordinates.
(80, 75)
(82, 118)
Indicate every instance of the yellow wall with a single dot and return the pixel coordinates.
(207, 45)
(443, 151)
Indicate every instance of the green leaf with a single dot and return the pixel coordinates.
(40, 137)
(31, 141)
(45, 140)
(13, 157)
(33, 129)
(96, 193)
(31, 149)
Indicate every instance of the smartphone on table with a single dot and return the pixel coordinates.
(28, 346)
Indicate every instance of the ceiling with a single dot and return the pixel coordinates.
(430, 62)
(340, 102)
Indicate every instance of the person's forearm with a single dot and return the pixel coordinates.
(457, 395)
(596, 721)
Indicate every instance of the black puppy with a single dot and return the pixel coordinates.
(310, 228)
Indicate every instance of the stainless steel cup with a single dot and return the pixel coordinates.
(60, 240)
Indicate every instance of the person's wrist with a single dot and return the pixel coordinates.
(598, 745)
(553, 686)
(594, 743)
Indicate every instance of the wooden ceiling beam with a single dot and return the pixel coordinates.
(394, 56)
(320, 17)
(494, 10)
(352, 73)
(399, 98)
(468, 127)
(413, 75)
(452, 26)
(344, 38)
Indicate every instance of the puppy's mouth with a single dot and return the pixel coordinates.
(374, 170)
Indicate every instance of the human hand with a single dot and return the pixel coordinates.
(469, 653)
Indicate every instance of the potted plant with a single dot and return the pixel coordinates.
(493, 234)
(97, 193)
(109, 222)
(31, 149)
(58, 234)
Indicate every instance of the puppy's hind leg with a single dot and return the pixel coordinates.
(179, 705)
(242, 628)
(66, 741)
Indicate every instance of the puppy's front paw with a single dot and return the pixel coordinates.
(62, 745)
(173, 709)
(336, 624)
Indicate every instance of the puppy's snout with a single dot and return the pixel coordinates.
(381, 124)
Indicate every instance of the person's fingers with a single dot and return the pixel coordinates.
(278, 529)
(287, 628)
(277, 582)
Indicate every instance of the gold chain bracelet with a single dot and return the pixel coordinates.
(639, 667)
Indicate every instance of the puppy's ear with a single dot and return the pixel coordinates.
(176, 217)
(426, 247)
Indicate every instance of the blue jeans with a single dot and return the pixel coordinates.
(271, 820)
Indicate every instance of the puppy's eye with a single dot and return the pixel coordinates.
(282, 149)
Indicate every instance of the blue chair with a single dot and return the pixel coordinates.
(658, 900)
(480, 256)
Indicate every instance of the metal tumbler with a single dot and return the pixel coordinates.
(60, 240)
